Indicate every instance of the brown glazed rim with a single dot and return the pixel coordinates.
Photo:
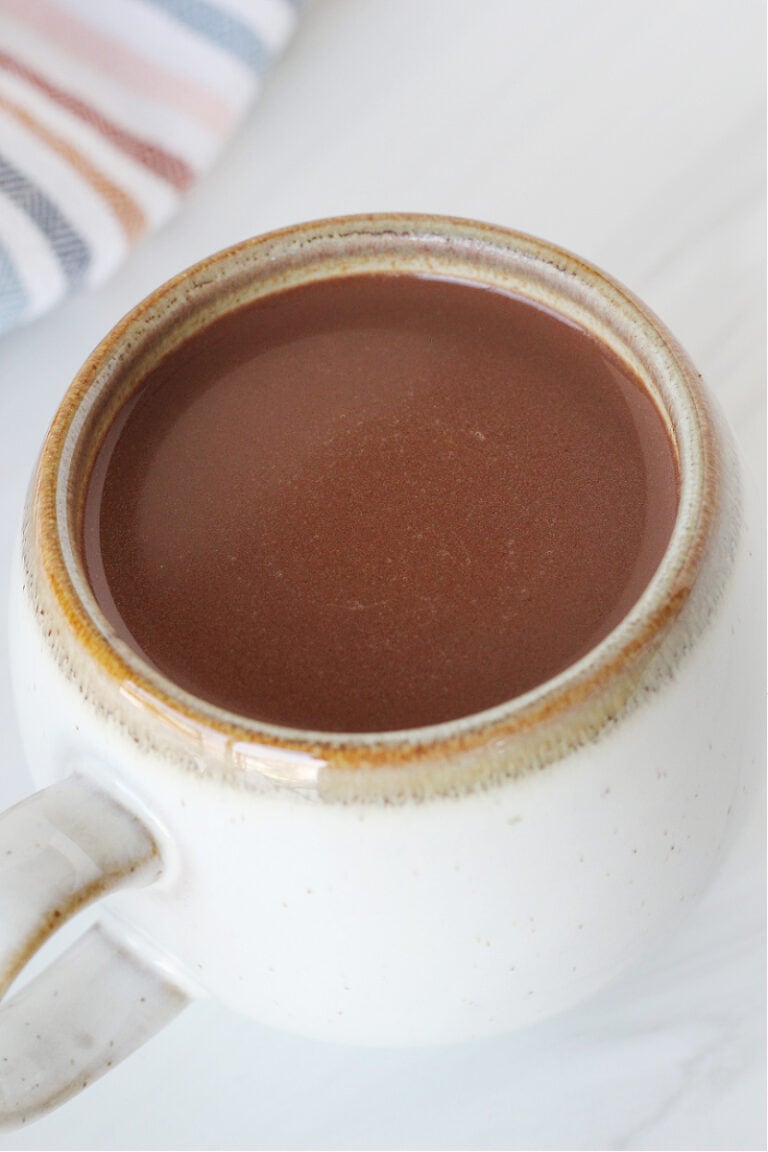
(393, 242)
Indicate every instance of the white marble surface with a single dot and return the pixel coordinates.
(632, 133)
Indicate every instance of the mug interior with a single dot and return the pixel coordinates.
(420, 245)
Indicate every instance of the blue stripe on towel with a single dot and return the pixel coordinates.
(68, 245)
(223, 28)
(13, 298)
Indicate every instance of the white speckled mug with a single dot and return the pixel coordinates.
(398, 888)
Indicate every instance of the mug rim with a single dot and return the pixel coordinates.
(675, 389)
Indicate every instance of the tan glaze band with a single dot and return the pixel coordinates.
(529, 732)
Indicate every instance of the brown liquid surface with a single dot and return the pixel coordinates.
(377, 503)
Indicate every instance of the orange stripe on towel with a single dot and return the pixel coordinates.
(164, 164)
(120, 63)
(125, 208)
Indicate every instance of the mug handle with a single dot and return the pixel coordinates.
(92, 1006)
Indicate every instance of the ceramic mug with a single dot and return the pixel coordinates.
(396, 888)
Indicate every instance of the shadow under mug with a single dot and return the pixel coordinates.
(397, 888)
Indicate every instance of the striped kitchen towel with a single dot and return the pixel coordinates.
(109, 111)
